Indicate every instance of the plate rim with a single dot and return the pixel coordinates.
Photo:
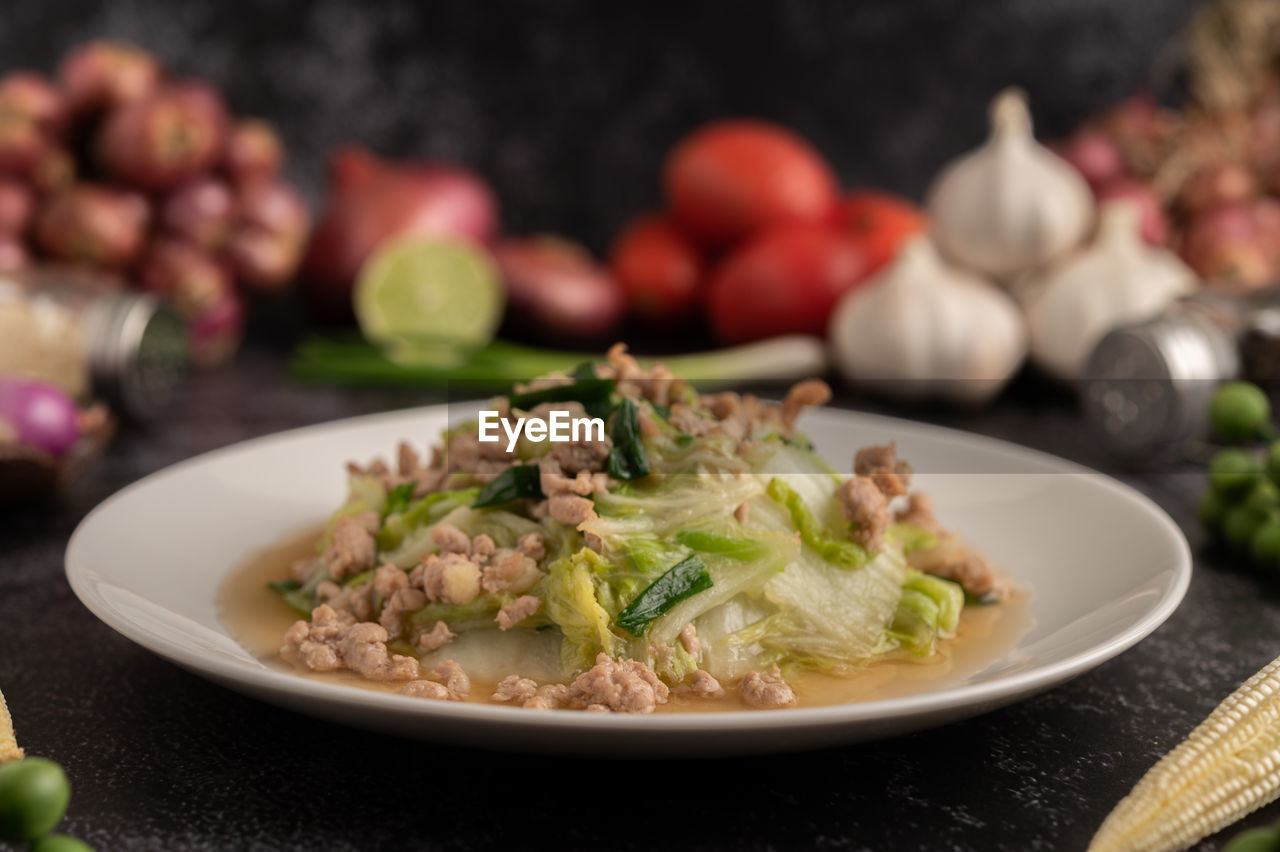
(81, 576)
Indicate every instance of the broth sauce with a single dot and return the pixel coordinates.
(257, 618)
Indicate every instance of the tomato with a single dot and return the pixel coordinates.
(659, 270)
(731, 178)
(785, 281)
(880, 222)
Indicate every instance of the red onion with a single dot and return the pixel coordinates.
(556, 290)
(191, 280)
(35, 96)
(1153, 223)
(41, 415)
(93, 224)
(53, 170)
(15, 208)
(160, 141)
(103, 74)
(1094, 156)
(1217, 184)
(13, 254)
(21, 142)
(202, 211)
(1232, 243)
(254, 151)
(372, 200)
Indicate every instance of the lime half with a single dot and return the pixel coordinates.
(428, 301)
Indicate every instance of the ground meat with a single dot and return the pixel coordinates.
(302, 569)
(952, 560)
(766, 691)
(517, 611)
(435, 638)
(510, 570)
(571, 510)
(703, 685)
(624, 687)
(449, 539)
(689, 639)
(356, 601)
(741, 513)
(409, 468)
(550, 696)
(802, 395)
(334, 640)
(451, 577)
(919, 512)
(691, 421)
(427, 689)
(656, 384)
(554, 481)
(514, 688)
(891, 476)
(466, 453)
(401, 600)
(865, 506)
(352, 548)
(455, 679)
(534, 546)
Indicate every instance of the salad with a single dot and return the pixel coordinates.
(692, 547)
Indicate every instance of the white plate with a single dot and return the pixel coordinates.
(1105, 567)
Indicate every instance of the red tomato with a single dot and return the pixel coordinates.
(731, 178)
(880, 222)
(785, 281)
(659, 270)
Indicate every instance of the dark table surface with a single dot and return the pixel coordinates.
(160, 759)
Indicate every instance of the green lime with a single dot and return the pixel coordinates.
(1263, 496)
(1238, 411)
(429, 301)
(1232, 473)
(1211, 509)
(60, 843)
(1265, 839)
(33, 796)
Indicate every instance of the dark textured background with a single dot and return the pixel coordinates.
(568, 106)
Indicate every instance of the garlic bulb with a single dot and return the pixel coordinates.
(1118, 279)
(920, 328)
(1011, 204)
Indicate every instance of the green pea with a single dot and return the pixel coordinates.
(1264, 496)
(60, 843)
(1265, 544)
(33, 796)
(1238, 411)
(1233, 472)
(1211, 509)
(1273, 462)
(1239, 524)
(1265, 839)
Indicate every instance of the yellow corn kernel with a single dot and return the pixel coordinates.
(8, 740)
(1229, 766)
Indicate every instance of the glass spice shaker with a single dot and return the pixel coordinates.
(92, 339)
(1147, 386)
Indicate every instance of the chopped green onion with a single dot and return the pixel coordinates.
(627, 459)
(583, 390)
(741, 549)
(398, 499)
(846, 554)
(516, 482)
(684, 579)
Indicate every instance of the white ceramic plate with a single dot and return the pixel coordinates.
(1105, 567)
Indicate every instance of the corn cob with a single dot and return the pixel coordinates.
(8, 740)
(1227, 767)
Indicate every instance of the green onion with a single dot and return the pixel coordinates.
(398, 499)
(846, 554)
(627, 459)
(583, 390)
(516, 482)
(741, 549)
(684, 579)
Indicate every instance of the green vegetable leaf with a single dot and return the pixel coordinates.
(911, 537)
(292, 592)
(628, 459)
(584, 390)
(684, 579)
(516, 482)
(740, 549)
(398, 499)
(846, 554)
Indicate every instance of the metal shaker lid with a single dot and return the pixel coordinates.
(1147, 387)
(137, 354)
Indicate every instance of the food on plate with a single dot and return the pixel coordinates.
(676, 547)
